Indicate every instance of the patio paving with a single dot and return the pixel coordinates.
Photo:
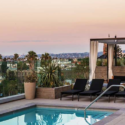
(66, 102)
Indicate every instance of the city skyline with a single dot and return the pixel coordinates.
(58, 26)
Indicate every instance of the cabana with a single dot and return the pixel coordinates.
(111, 44)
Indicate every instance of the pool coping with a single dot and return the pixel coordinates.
(116, 114)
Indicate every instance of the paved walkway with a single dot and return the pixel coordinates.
(117, 119)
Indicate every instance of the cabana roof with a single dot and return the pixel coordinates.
(120, 40)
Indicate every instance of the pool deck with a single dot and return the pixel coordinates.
(117, 118)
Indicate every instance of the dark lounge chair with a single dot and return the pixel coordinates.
(113, 90)
(122, 78)
(119, 94)
(96, 86)
(78, 87)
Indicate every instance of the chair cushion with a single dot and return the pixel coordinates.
(89, 92)
(97, 84)
(80, 84)
(114, 82)
(122, 78)
(71, 92)
(108, 93)
(120, 93)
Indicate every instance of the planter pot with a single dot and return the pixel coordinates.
(30, 89)
(51, 93)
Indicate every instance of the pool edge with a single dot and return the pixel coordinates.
(116, 114)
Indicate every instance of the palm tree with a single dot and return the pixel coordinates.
(46, 56)
(16, 56)
(45, 59)
(31, 57)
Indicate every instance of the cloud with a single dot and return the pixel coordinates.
(22, 41)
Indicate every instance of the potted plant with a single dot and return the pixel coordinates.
(51, 84)
(30, 85)
(49, 76)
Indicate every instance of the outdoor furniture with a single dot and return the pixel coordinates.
(119, 94)
(78, 87)
(122, 78)
(96, 86)
(112, 91)
(110, 50)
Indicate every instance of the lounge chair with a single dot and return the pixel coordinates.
(113, 90)
(119, 94)
(122, 78)
(78, 87)
(96, 86)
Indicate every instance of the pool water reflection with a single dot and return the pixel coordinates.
(52, 116)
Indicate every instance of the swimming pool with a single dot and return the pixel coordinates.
(52, 116)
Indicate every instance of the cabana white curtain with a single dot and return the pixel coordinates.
(93, 59)
(110, 60)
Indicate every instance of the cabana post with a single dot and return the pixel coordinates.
(115, 55)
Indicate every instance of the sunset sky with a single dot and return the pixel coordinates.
(58, 26)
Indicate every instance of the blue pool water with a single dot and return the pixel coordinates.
(52, 116)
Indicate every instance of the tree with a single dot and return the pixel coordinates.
(4, 67)
(45, 59)
(22, 66)
(16, 56)
(31, 57)
(10, 75)
(9, 87)
(118, 50)
(0, 56)
(46, 56)
(82, 70)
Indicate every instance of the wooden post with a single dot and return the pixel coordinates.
(115, 55)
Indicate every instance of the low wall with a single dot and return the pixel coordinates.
(12, 98)
(101, 71)
(51, 93)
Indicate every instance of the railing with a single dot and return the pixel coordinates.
(98, 98)
(12, 73)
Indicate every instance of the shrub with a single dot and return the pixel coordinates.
(49, 76)
(31, 77)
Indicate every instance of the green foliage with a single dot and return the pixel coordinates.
(4, 67)
(1, 88)
(45, 59)
(16, 56)
(85, 62)
(31, 77)
(9, 87)
(60, 75)
(71, 60)
(81, 70)
(0, 56)
(49, 76)
(10, 75)
(121, 62)
(10, 84)
(31, 57)
(104, 63)
(99, 63)
(118, 50)
(22, 66)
